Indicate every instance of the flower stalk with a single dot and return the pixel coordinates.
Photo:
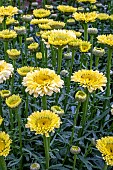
(44, 102)
(2, 163)
(85, 31)
(105, 167)
(46, 147)
(59, 59)
(5, 50)
(74, 161)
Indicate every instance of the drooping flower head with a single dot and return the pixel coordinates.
(13, 101)
(85, 17)
(105, 146)
(41, 13)
(106, 39)
(90, 79)
(6, 71)
(5, 143)
(42, 82)
(43, 122)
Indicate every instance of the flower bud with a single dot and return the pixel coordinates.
(99, 52)
(80, 96)
(68, 56)
(64, 73)
(58, 110)
(35, 166)
(92, 31)
(75, 150)
(20, 30)
(5, 93)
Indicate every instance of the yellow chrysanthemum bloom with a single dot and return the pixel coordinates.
(105, 146)
(61, 37)
(45, 34)
(58, 110)
(90, 79)
(7, 34)
(8, 11)
(33, 46)
(42, 82)
(24, 70)
(10, 20)
(13, 53)
(56, 24)
(5, 93)
(90, 1)
(5, 143)
(40, 21)
(85, 17)
(44, 26)
(6, 71)
(1, 19)
(66, 8)
(1, 120)
(39, 55)
(103, 16)
(41, 13)
(13, 101)
(106, 39)
(43, 122)
(75, 43)
(85, 46)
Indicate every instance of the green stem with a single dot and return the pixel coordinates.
(20, 43)
(44, 102)
(74, 162)
(25, 50)
(53, 56)
(105, 167)
(42, 50)
(85, 109)
(20, 135)
(59, 59)
(45, 56)
(26, 106)
(91, 58)
(2, 163)
(11, 119)
(35, 58)
(5, 50)
(46, 148)
(96, 62)
(4, 23)
(108, 67)
(85, 32)
(12, 80)
(43, 3)
(19, 4)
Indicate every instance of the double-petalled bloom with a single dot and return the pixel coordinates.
(106, 39)
(7, 34)
(43, 122)
(42, 82)
(90, 79)
(5, 143)
(105, 146)
(8, 11)
(41, 13)
(6, 71)
(66, 8)
(85, 17)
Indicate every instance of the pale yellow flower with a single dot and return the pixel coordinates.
(41, 13)
(85, 17)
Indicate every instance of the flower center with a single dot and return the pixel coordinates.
(42, 79)
(1, 68)
(44, 122)
(2, 145)
(110, 147)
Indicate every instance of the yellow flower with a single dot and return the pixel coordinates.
(5, 93)
(66, 8)
(90, 79)
(29, 40)
(85, 46)
(43, 122)
(61, 37)
(39, 55)
(13, 54)
(103, 16)
(8, 11)
(56, 24)
(6, 71)
(85, 17)
(42, 82)
(13, 101)
(7, 34)
(75, 43)
(58, 110)
(24, 70)
(41, 13)
(40, 21)
(1, 120)
(33, 46)
(106, 39)
(45, 34)
(10, 20)
(90, 1)
(105, 146)
(111, 17)
(5, 143)
(44, 26)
